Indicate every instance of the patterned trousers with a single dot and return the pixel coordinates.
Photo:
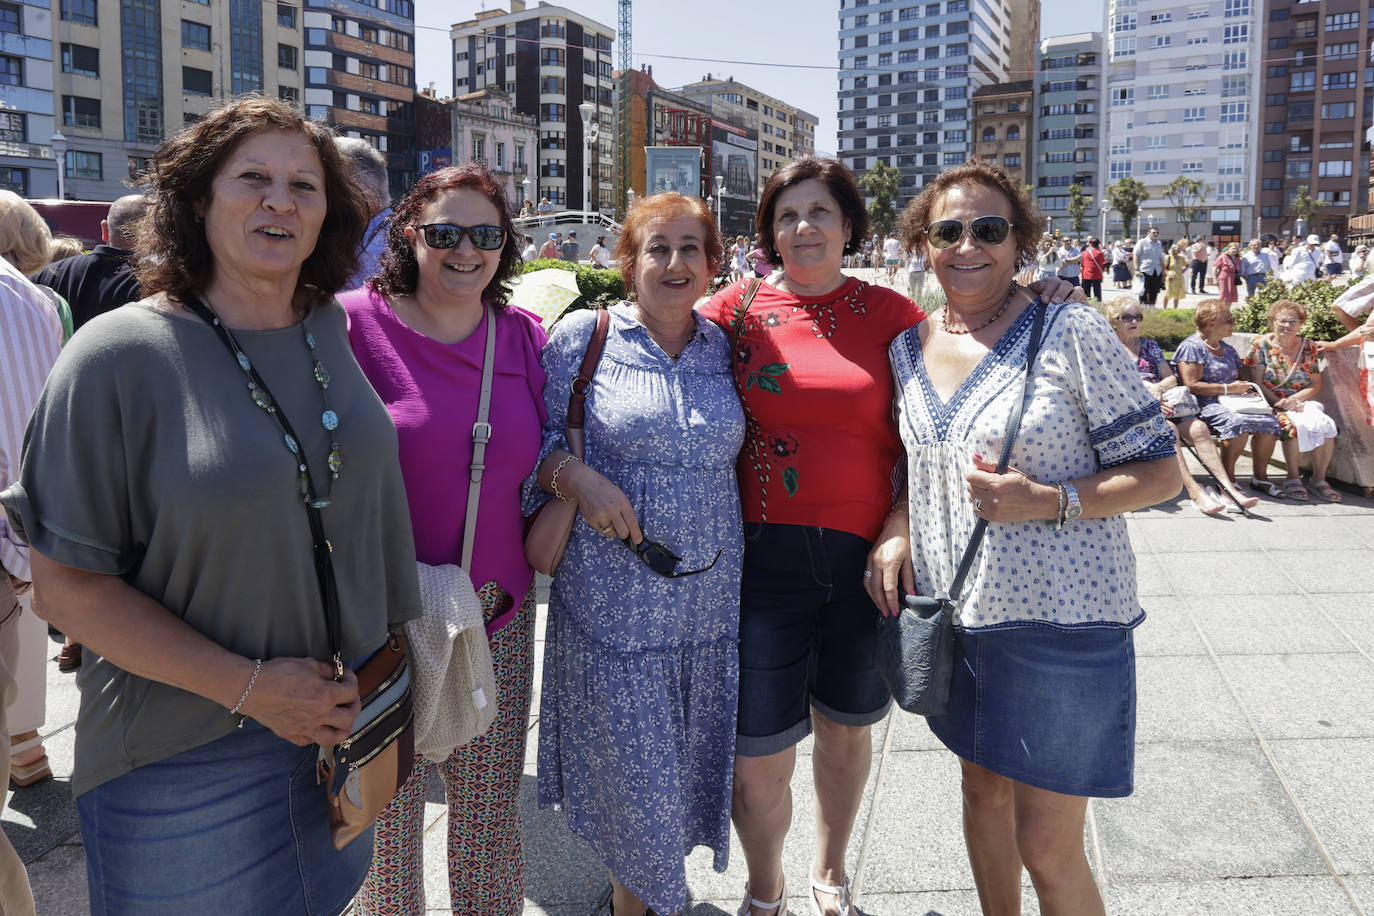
(482, 784)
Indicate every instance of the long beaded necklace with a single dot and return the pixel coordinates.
(263, 398)
(1006, 303)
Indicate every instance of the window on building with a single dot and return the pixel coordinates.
(1337, 22)
(1119, 170)
(1229, 190)
(1236, 8)
(286, 57)
(1233, 112)
(11, 70)
(80, 112)
(1234, 60)
(81, 164)
(1155, 166)
(1335, 110)
(1191, 115)
(195, 81)
(1161, 41)
(15, 179)
(82, 11)
(289, 94)
(1235, 34)
(1123, 97)
(552, 112)
(286, 16)
(1158, 92)
(1334, 168)
(1011, 160)
(195, 35)
(1191, 166)
(11, 19)
(1302, 81)
(1344, 79)
(80, 60)
(1123, 46)
(551, 57)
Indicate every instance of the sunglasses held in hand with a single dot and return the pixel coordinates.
(450, 235)
(986, 230)
(662, 560)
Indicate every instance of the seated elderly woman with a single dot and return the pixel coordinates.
(1210, 368)
(1125, 315)
(1284, 364)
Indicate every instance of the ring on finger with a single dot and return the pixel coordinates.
(608, 529)
(868, 574)
(977, 504)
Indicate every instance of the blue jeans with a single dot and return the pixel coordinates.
(234, 826)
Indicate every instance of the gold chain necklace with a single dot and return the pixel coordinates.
(1006, 304)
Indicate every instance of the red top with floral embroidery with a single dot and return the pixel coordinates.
(813, 376)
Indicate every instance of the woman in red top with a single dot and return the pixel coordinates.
(816, 478)
(1094, 267)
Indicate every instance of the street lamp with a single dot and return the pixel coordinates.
(524, 190)
(589, 133)
(720, 189)
(1106, 208)
(59, 155)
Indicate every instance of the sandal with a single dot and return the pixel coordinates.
(69, 657)
(1211, 504)
(778, 906)
(37, 770)
(1266, 487)
(1326, 491)
(841, 892)
(1293, 489)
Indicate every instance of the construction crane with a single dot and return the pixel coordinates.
(624, 63)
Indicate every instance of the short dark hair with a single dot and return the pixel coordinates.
(171, 253)
(1025, 219)
(400, 271)
(663, 205)
(838, 180)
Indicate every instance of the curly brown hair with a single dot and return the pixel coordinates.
(664, 205)
(400, 271)
(1025, 218)
(1208, 312)
(838, 180)
(172, 255)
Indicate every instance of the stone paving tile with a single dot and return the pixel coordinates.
(910, 733)
(1214, 574)
(1354, 614)
(1362, 886)
(1167, 629)
(1150, 577)
(1339, 809)
(1274, 625)
(1200, 533)
(1362, 526)
(1203, 810)
(1322, 571)
(1185, 696)
(1250, 896)
(58, 879)
(1305, 696)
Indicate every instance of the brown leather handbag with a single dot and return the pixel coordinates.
(549, 529)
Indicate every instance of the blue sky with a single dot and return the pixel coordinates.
(786, 48)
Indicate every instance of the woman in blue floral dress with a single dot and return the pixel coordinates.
(641, 665)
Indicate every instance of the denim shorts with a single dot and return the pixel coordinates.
(807, 633)
(1049, 707)
(237, 825)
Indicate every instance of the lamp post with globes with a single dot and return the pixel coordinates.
(720, 190)
(524, 190)
(59, 155)
(589, 137)
(1106, 208)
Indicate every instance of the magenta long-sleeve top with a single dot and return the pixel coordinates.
(431, 391)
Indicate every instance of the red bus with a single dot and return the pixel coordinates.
(78, 218)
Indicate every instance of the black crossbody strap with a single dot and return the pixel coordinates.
(322, 549)
(1013, 427)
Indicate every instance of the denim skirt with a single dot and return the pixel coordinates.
(237, 825)
(1049, 707)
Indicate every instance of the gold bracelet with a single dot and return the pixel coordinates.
(553, 481)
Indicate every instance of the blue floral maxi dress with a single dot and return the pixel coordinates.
(1227, 424)
(641, 672)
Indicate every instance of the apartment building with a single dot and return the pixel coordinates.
(1179, 101)
(359, 74)
(127, 73)
(552, 61)
(27, 109)
(1068, 126)
(486, 128)
(1002, 126)
(1317, 101)
(907, 74)
(784, 130)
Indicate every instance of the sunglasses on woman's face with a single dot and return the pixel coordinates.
(450, 235)
(1132, 316)
(986, 230)
(662, 560)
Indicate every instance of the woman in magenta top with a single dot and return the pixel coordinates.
(419, 333)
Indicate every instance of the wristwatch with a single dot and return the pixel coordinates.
(1073, 509)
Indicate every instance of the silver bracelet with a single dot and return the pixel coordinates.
(257, 666)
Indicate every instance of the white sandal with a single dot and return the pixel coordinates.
(842, 892)
(778, 906)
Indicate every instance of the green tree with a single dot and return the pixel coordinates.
(1126, 196)
(1078, 208)
(1188, 195)
(881, 183)
(1306, 207)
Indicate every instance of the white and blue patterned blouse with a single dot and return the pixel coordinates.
(641, 672)
(1087, 411)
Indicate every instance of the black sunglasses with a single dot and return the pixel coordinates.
(662, 560)
(449, 235)
(986, 230)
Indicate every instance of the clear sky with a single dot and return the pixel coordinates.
(786, 48)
